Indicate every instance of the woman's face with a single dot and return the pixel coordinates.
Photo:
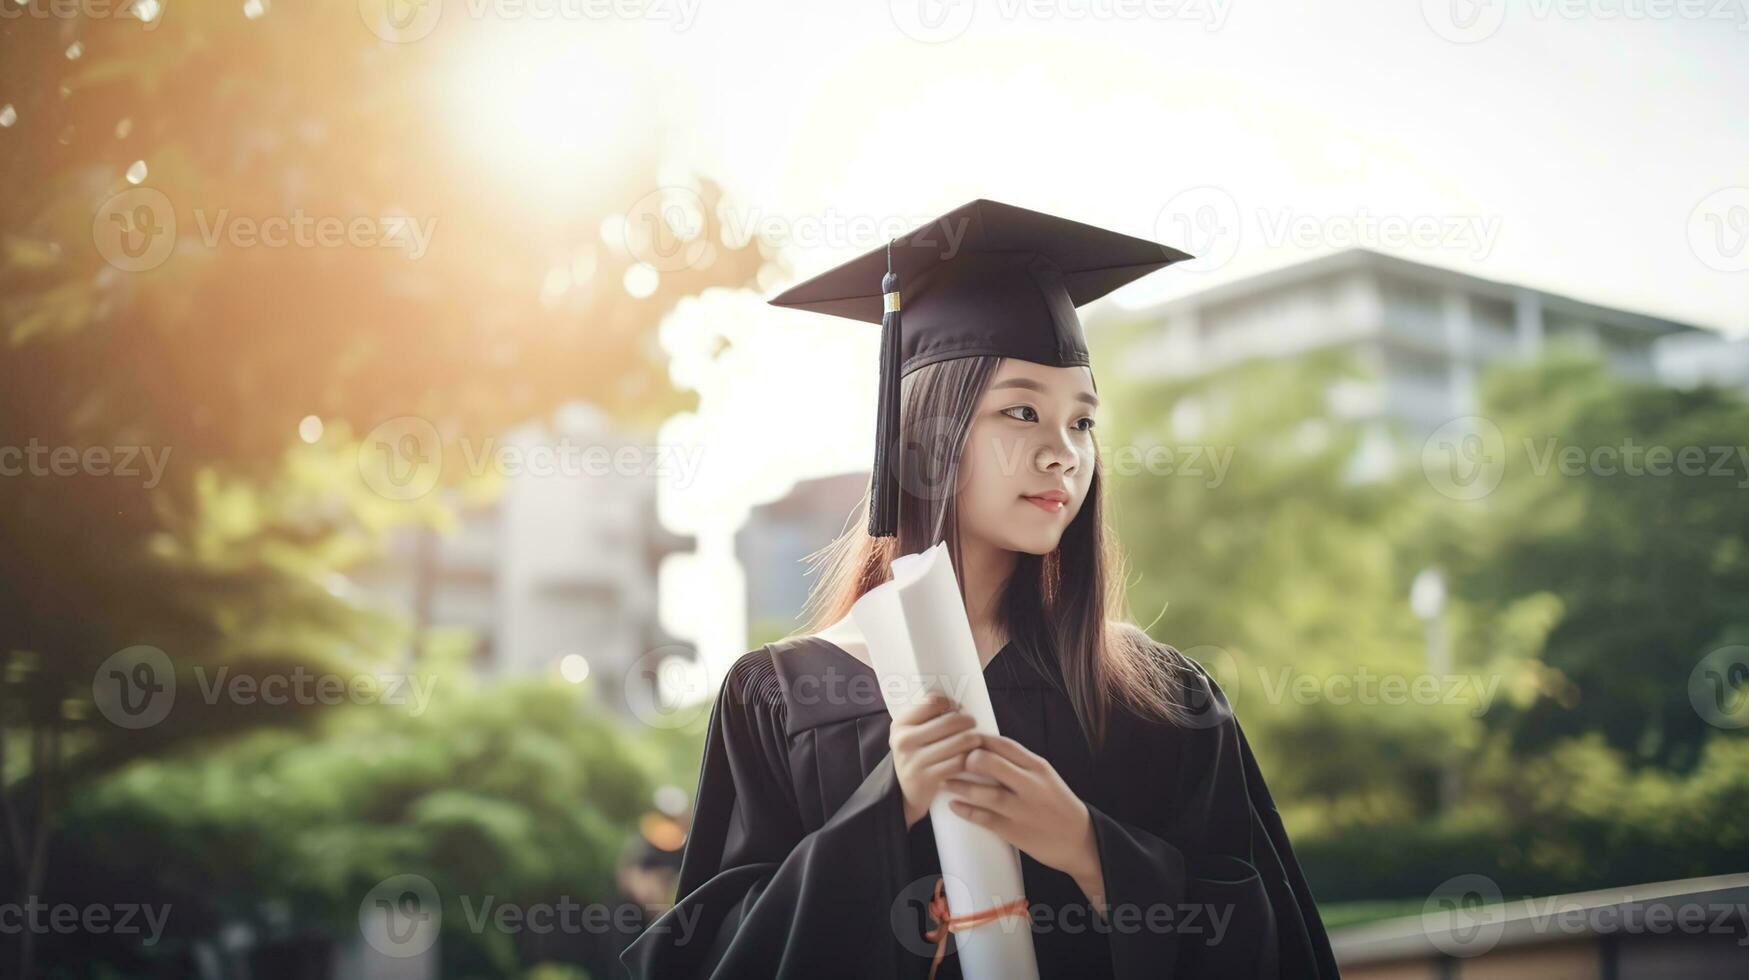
(1031, 439)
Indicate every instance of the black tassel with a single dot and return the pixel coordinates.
(883, 492)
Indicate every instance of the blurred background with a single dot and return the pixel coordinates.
(396, 450)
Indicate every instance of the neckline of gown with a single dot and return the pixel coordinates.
(801, 662)
(835, 648)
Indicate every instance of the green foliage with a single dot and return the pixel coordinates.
(207, 361)
(1651, 570)
(1580, 605)
(520, 792)
(228, 542)
(1284, 570)
(1574, 818)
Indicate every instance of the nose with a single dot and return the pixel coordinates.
(1057, 452)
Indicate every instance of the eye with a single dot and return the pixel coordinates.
(1084, 425)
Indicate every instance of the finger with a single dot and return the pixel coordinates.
(979, 815)
(1014, 752)
(933, 730)
(987, 763)
(951, 749)
(943, 725)
(977, 794)
(928, 708)
(939, 771)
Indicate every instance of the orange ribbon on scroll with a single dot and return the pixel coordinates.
(945, 923)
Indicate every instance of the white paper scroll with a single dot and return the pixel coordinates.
(920, 641)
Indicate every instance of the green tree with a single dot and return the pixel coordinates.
(513, 795)
(1621, 503)
(207, 357)
(1256, 549)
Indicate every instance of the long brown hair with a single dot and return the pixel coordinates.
(1069, 604)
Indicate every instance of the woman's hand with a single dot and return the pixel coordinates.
(929, 743)
(1031, 808)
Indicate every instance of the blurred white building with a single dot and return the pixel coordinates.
(1703, 357)
(1426, 333)
(562, 564)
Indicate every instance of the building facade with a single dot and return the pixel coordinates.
(1424, 333)
(562, 563)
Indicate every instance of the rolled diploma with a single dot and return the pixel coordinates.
(920, 641)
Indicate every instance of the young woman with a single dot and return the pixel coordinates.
(1149, 844)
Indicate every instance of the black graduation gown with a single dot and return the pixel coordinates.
(799, 863)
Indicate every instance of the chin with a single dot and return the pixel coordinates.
(1035, 544)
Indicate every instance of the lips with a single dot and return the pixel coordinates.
(1051, 501)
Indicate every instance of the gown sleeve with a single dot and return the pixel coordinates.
(1240, 906)
(757, 896)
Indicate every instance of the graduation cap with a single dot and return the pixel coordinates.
(986, 278)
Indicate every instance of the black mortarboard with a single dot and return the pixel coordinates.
(983, 279)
